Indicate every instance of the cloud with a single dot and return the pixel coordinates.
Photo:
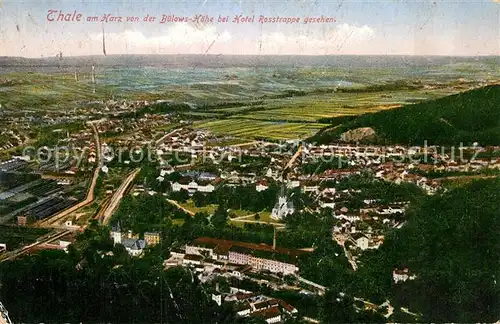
(179, 38)
(343, 39)
(191, 39)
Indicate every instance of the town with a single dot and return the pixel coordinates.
(282, 189)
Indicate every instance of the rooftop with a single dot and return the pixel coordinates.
(260, 250)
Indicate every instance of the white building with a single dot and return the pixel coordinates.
(362, 242)
(402, 275)
(192, 187)
(282, 208)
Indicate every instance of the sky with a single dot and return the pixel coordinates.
(357, 27)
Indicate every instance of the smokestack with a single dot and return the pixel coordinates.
(274, 239)
(103, 42)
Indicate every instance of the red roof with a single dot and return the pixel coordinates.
(267, 313)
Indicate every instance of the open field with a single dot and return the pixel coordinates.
(32, 90)
(271, 101)
(247, 128)
(299, 117)
(312, 108)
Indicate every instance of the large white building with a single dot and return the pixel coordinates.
(258, 256)
(192, 187)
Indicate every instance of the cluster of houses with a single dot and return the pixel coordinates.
(249, 304)
(372, 213)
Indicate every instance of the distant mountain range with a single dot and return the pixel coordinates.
(467, 117)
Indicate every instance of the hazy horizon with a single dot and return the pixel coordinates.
(56, 57)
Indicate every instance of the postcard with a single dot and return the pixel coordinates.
(249, 161)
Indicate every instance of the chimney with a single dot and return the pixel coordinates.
(274, 239)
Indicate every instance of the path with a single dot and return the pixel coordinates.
(176, 204)
(243, 219)
(164, 137)
(321, 288)
(294, 157)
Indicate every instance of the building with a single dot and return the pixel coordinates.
(261, 186)
(270, 315)
(402, 275)
(116, 234)
(152, 238)
(133, 245)
(21, 220)
(192, 187)
(362, 241)
(271, 310)
(258, 256)
(283, 207)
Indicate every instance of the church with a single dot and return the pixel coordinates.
(283, 206)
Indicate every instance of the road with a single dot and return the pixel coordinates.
(319, 287)
(292, 160)
(117, 197)
(348, 255)
(257, 222)
(90, 194)
(164, 137)
(244, 219)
